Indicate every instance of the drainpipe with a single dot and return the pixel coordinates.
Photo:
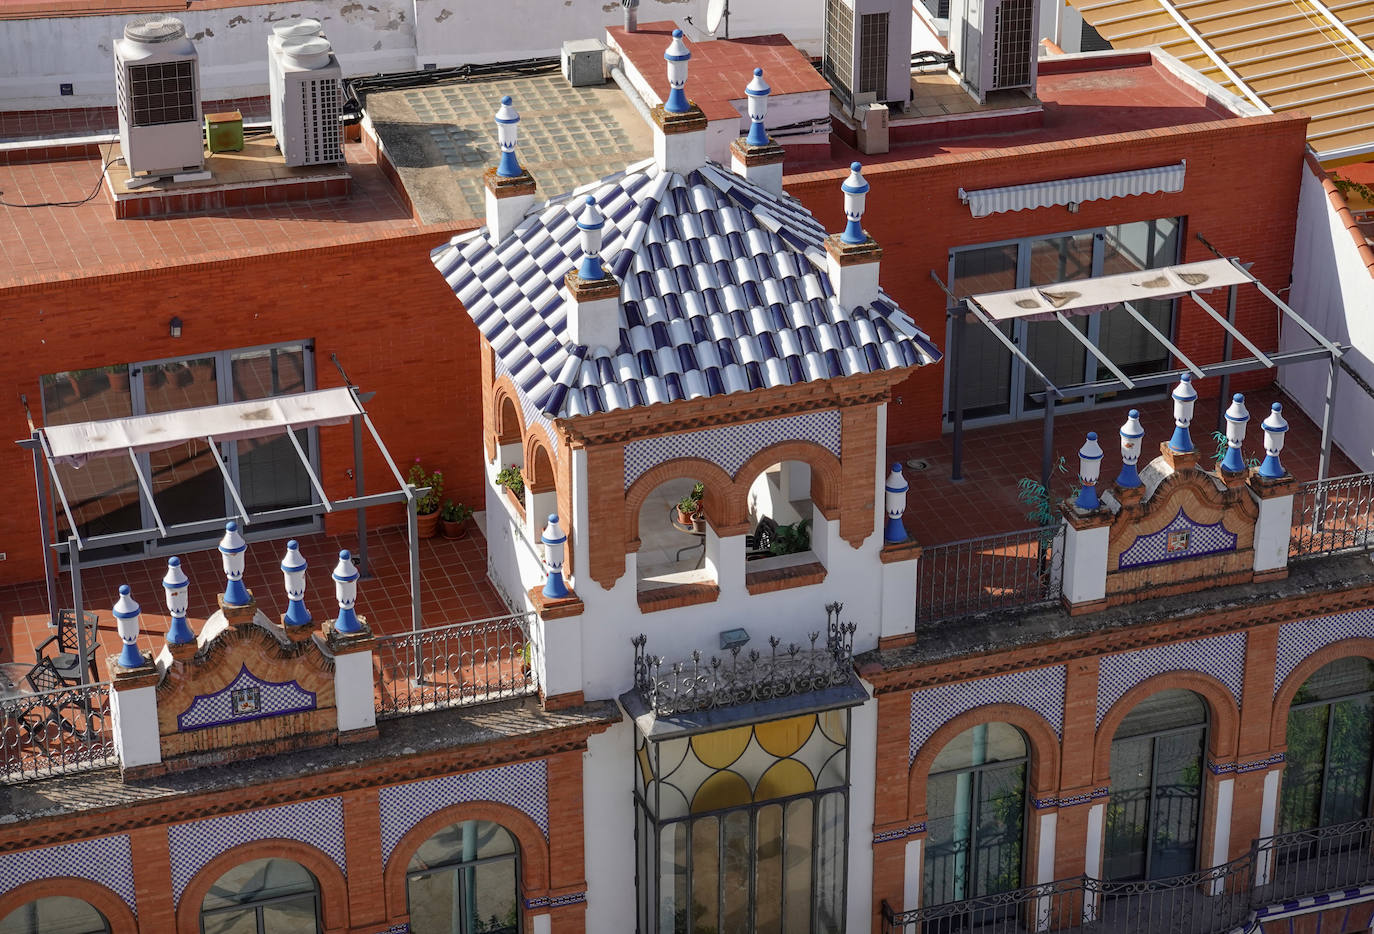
(618, 76)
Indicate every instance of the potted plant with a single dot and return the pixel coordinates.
(426, 504)
(792, 539)
(689, 507)
(453, 519)
(513, 480)
(119, 377)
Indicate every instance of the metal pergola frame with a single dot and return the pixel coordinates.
(39, 446)
(963, 309)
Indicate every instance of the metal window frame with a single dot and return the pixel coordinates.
(1154, 736)
(472, 863)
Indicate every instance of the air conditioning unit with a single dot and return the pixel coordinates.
(994, 44)
(307, 92)
(157, 84)
(868, 50)
(293, 29)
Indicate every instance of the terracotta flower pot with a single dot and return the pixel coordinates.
(453, 529)
(427, 524)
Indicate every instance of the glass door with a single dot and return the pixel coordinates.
(985, 376)
(1056, 352)
(269, 472)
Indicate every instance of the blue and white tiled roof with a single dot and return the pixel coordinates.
(724, 290)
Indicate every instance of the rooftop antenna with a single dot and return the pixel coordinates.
(717, 17)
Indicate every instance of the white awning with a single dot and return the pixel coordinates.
(985, 201)
(1088, 295)
(73, 444)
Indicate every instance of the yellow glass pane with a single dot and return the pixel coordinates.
(783, 738)
(643, 756)
(720, 749)
(832, 725)
(721, 790)
(787, 777)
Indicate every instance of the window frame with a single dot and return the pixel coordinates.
(513, 857)
(1326, 748)
(258, 904)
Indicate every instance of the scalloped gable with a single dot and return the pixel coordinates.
(724, 291)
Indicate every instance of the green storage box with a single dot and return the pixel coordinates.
(224, 131)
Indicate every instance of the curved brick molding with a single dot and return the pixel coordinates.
(1222, 657)
(533, 417)
(1301, 638)
(317, 823)
(104, 860)
(731, 446)
(1039, 689)
(521, 785)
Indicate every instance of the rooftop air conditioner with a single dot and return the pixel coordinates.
(994, 44)
(157, 83)
(281, 32)
(868, 49)
(307, 91)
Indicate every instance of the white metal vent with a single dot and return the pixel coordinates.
(838, 62)
(307, 98)
(1013, 44)
(157, 80)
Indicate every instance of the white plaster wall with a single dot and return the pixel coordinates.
(1333, 291)
(608, 814)
(863, 757)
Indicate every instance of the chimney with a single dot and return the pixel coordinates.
(679, 125)
(510, 189)
(756, 156)
(593, 292)
(631, 15)
(852, 257)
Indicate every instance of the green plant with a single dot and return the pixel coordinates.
(1348, 187)
(426, 503)
(690, 504)
(512, 479)
(1220, 438)
(455, 512)
(791, 539)
(1037, 499)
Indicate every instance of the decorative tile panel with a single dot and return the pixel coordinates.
(245, 698)
(1222, 656)
(522, 785)
(1039, 689)
(730, 446)
(1181, 538)
(107, 861)
(315, 823)
(1300, 638)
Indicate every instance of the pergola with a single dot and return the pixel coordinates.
(1092, 296)
(77, 443)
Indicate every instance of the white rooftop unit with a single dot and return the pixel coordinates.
(293, 29)
(157, 83)
(994, 44)
(307, 97)
(867, 54)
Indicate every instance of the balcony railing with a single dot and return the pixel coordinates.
(1333, 515)
(56, 732)
(1271, 876)
(995, 572)
(452, 666)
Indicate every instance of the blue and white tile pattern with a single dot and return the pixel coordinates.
(1301, 638)
(1040, 689)
(730, 446)
(245, 698)
(107, 861)
(1181, 538)
(1222, 656)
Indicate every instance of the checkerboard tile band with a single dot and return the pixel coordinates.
(1040, 689)
(529, 411)
(107, 861)
(1222, 656)
(1197, 539)
(1301, 638)
(730, 446)
(273, 699)
(522, 785)
(316, 823)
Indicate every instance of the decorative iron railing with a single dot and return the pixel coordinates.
(703, 684)
(56, 732)
(452, 666)
(995, 572)
(1333, 515)
(1272, 875)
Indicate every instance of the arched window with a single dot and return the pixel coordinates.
(1330, 727)
(1156, 790)
(262, 896)
(976, 814)
(462, 880)
(781, 511)
(672, 536)
(55, 915)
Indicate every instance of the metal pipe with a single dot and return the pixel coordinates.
(619, 78)
(228, 480)
(363, 570)
(75, 568)
(1227, 348)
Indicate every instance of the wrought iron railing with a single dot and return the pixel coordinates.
(56, 732)
(1276, 871)
(702, 683)
(1333, 515)
(995, 572)
(452, 666)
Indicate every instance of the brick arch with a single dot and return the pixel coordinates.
(539, 473)
(1042, 776)
(826, 476)
(534, 849)
(1223, 717)
(717, 503)
(333, 885)
(1278, 724)
(505, 406)
(99, 897)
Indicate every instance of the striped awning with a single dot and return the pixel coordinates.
(985, 201)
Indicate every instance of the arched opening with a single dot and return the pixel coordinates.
(1155, 809)
(781, 513)
(262, 896)
(1330, 755)
(465, 880)
(672, 535)
(57, 914)
(976, 814)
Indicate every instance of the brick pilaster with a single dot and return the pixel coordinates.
(606, 512)
(152, 879)
(363, 851)
(858, 472)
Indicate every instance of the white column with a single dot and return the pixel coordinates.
(133, 715)
(1085, 564)
(1044, 867)
(1092, 857)
(1272, 530)
(899, 597)
(354, 708)
(1269, 807)
(543, 924)
(911, 877)
(863, 764)
(1221, 832)
(725, 559)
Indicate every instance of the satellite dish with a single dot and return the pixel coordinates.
(716, 12)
